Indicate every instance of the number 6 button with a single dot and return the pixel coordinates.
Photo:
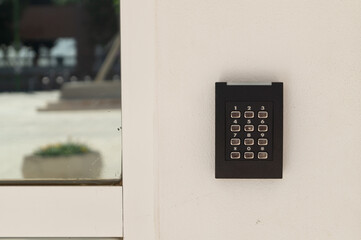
(262, 128)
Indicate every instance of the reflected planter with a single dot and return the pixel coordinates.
(86, 166)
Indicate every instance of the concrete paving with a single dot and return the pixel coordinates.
(23, 129)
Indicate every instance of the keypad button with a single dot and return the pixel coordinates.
(235, 128)
(262, 128)
(248, 141)
(262, 114)
(248, 128)
(262, 155)
(262, 141)
(235, 114)
(249, 114)
(235, 155)
(235, 141)
(248, 155)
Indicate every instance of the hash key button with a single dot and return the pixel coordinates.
(262, 155)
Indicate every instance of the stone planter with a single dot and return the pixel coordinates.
(64, 167)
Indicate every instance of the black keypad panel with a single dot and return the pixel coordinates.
(249, 135)
(249, 130)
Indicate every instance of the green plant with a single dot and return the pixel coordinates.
(62, 149)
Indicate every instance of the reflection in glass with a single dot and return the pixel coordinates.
(60, 90)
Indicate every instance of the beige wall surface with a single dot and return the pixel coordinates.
(314, 47)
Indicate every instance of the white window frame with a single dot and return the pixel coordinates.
(99, 211)
(141, 218)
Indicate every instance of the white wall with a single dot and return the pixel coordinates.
(314, 47)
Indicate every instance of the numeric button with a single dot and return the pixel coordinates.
(262, 141)
(235, 114)
(262, 128)
(249, 114)
(235, 128)
(248, 141)
(235, 141)
(248, 128)
(262, 114)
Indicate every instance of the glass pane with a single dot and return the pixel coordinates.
(60, 91)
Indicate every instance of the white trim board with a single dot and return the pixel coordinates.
(96, 211)
(138, 100)
(61, 211)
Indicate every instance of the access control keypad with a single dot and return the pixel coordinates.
(249, 131)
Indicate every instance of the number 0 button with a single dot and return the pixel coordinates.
(248, 155)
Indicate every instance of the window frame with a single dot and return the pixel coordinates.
(100, 211)
(140, 176)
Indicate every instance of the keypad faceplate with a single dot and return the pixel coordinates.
(251, 123)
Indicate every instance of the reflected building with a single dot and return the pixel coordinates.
(70, 135)
(59, 40)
